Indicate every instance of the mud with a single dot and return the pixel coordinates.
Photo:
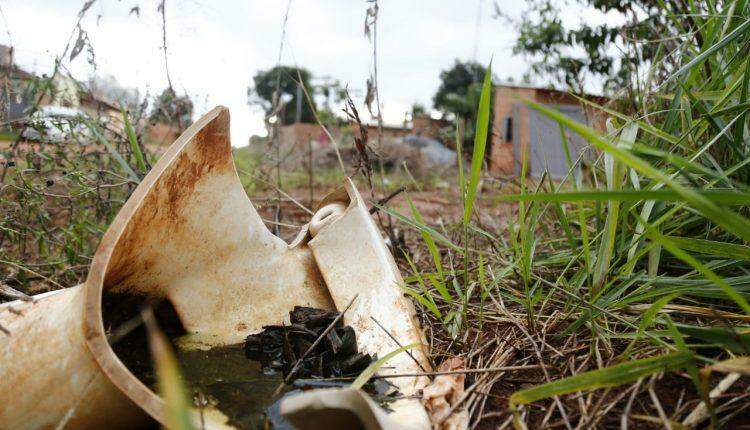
(221, 378)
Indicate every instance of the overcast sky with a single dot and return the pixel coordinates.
(215, 47)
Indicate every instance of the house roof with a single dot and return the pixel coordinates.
(555, 92)
(90, 97)
(15, 72)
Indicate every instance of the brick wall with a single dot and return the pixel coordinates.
(503, 159)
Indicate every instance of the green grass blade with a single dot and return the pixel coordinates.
(648, 206)
(439, 285)
(171, 388)
(691, 368)
(733, 338)
(713, 248)
(421, 227)
(113, 152)
(431, 246)
(700, 267)
(133, 139)
(723, 197)
(424, 300)
(373, 367)
(460, 161)
(614, 176)
(737, 32)
(648, 128)
(608, 377)
(647, 319)
(742, 105)
(480, 142)
(427, 299)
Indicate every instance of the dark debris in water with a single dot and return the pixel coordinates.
(278, 347)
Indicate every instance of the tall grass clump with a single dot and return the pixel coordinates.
(62, 181)
(626, 282)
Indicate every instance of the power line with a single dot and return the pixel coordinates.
(477, 25)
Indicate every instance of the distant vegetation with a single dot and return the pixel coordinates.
(173, 110)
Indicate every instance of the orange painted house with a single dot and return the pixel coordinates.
(517, 129)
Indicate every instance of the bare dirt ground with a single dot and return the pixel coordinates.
(437, 206)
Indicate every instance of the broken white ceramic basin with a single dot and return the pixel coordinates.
(190, 235)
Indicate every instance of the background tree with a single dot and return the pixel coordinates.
(458, 95)
(619, 56)
(418, 109)
(460, 86)
(172, 109)
(285, 78)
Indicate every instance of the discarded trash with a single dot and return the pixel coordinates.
(189, 236)
(280, 347)
(433, 151)
(441, 397)
(424, 155)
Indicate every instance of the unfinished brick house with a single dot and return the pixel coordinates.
(518, 128)
(295, 138)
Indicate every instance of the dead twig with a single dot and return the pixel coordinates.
(26, 269)
(398, 343)
(386, 199)
(11, 293)
(657, 405)
(438, 373)
(362, 153)
(279, 190)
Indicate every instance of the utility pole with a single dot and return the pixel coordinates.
(298, 116)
